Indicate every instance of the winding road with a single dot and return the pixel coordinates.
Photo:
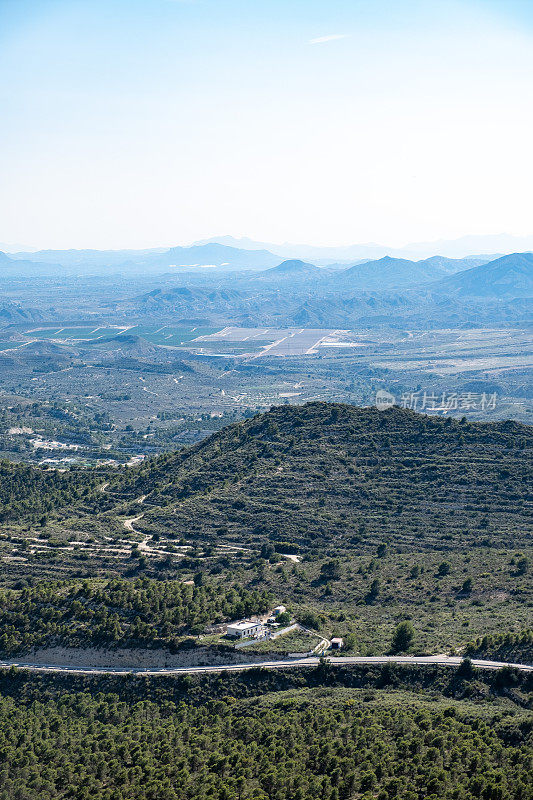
(440, 660)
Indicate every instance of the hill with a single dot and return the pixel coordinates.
(183, 301)
(323, 476)
(219, 255)
(453, 265)
(38, 357)
(125, 345)
(293, 268)
(15, 268)
(11, 313)
(506, 277)
(426, 519)
(388, 273)
(396, 273)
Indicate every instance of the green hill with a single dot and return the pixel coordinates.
(392, 516)
(323, 476)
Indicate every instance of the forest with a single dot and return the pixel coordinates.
(139, 613)
(372, 734)
(31, 493)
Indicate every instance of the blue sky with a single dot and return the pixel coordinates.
(154, 122)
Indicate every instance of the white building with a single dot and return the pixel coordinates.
(279, 610)
(244, 628)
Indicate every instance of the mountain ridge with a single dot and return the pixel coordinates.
(155, 259)
(325, 474)
(508, 276)
(465, 246)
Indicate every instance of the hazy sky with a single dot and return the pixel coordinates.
(132, 123)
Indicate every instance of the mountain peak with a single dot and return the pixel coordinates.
(509, 276)
(294, 266)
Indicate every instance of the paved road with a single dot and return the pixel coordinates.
(293, 663)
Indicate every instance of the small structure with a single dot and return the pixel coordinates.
(337, 643)
(243, 629)
(279, 610)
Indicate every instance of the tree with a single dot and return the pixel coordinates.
(310, 619)
(444, 568)
(522, 565)
(268, 552)
(331, 570)
(466, 588)
(350, 641)
(466, 669)
(403, 637)
(373, 591)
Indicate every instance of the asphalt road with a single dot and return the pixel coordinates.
(292, 663)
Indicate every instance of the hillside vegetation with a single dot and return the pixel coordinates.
(392, 517)
(326, 475)
(32, 492)
(331, 743)
(139, 613)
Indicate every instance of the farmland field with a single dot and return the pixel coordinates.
(156, 334)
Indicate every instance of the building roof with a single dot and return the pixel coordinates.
(243, 625)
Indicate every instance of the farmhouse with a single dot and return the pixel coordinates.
(279, 610)
(244, 628)
(337, 643)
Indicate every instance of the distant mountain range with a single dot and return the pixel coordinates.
(509, 276)
(252, 287)
(227, 253)
(159, 261)
(380, 274)
(491, 245)
(371, 294)
(18, 268)
(389, 273)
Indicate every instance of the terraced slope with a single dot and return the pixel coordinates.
(323, 476)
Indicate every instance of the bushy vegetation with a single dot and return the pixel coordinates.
(331, 744)
(481, 593)
(117, 613)
(514, 647)
(296, 641)
(319, 475)
(34, 492)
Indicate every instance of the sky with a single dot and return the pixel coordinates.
(145, 123)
